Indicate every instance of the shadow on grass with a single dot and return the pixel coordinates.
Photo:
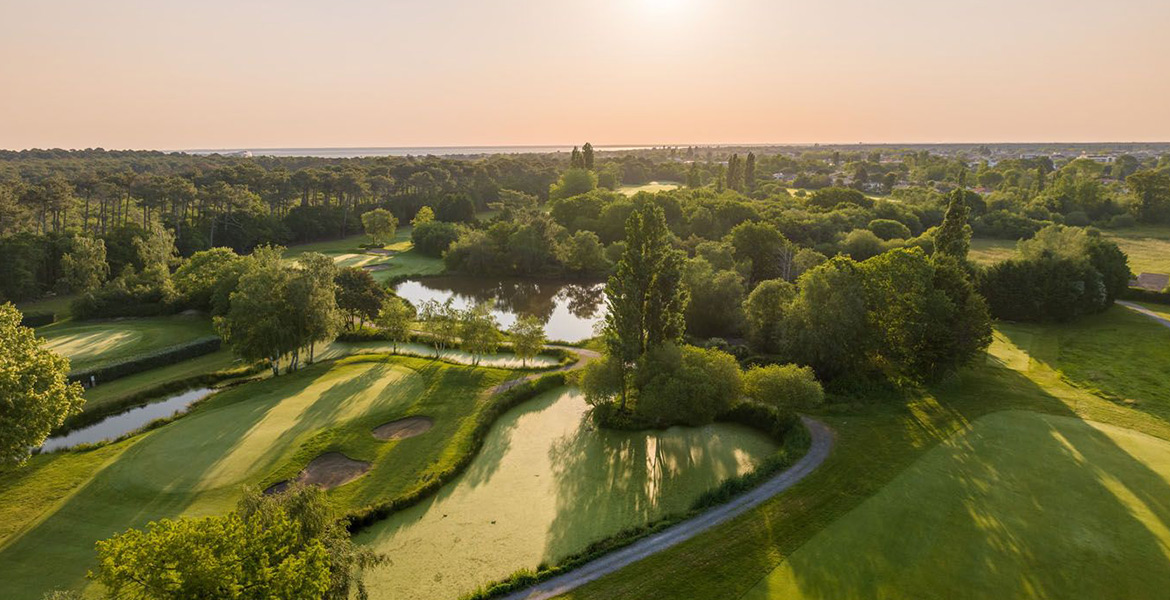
(1018, 505)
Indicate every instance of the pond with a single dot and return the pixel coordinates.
(115, 426)
(569, 310)
(545, 485)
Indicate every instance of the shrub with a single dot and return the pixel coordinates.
(433, 238)
(772, 420)
(37, 319)
(861, 244)
(1122, 221)
(688, 385)
(1144, 295)
(889, 229)
(783, 386)
(161, 358)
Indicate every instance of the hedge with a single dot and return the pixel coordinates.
(37, 319)
(161, 358)
(1144, 295)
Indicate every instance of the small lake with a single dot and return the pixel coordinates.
(569, 310)
(545, 485)
(120, 424)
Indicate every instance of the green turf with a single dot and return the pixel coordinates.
(545, 485)
(1148, 248)
(1162, 310)
(875, 444)
(253, 434)
(59, 305)
(114, 391)
(1020, 505)
(653, 186)
(96, 343)
(347, 252)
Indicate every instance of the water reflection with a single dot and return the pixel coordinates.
(122, 423)
(569, 310)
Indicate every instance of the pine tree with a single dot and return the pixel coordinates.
(587, 155)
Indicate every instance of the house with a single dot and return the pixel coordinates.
(1155, 282)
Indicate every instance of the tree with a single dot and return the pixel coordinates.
(433, 238)
(576, 160)
(587, 156)
(479, 332)
(716, 299)
(763, 246)
(582, 252)
(380, 225)
(764, 311)
(953, 237)
(256, 325)
(783, 386)
(687, 385)
(734, 173)
(825, 326)
(423, 216)
(1152, 191)
(394, 319)
(889, 229)
(527, 335)
(358, 295)
(35, 395)
(207, 279)
(749, 172)
(313, 302)
(573, 182)
(443, 322)
(85, 265)
(287, 545)
(644, 295)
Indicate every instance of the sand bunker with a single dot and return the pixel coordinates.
(327, 471)
(403, 428)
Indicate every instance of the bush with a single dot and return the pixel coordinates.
(1043, 289)
(783, 386)
(861, 244)
(687, 385)
(161, 358)
(433, 238)
(889, 229)
(1123, 221)
(37, 319)
(1144, 295)
(772, 420)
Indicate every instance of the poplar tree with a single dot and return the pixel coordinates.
(576, 160)
(734, 173)
(749, 172)
(954, 235)
(587, 155)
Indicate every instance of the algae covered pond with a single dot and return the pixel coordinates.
(546, 485)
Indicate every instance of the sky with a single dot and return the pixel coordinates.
(169, 74)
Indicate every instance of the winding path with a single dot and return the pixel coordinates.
(583, 358)
(822, 445)
(1145, 311)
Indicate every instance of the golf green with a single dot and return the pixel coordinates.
(1020, 505)
(94, 343)
(546, 485)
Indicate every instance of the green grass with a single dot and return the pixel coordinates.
(114, 391)
(59, 305)
(1018, 505)
(253, 434)
(347, 252)
(877, 443)
(1148, 248)
(652, 187)
(95, 343)
(1162, 310)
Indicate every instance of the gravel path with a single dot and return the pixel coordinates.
(583, 358)
(822, 444)
(1145, 311)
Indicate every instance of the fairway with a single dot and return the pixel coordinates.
(1148, 248)
(400, 260)
(95, 343)
(1022, 505)
(652, 187)
(255, 434)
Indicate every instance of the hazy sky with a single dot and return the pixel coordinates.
(247, 73)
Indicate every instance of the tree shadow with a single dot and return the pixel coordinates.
(1020, 504)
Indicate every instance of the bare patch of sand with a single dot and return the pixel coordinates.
(403, 428)
(327, 471)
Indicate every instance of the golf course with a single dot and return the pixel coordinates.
(90, 344)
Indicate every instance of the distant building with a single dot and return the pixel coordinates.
(1155, 282)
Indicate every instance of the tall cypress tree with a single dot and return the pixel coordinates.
(954, 235)
(749, 172)
(587, 155)
(644, 295)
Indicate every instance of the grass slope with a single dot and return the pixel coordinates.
(93, 343)
(347, 252)
(652, 187)
(1148, 248)
(255, 435)
(879, 442)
